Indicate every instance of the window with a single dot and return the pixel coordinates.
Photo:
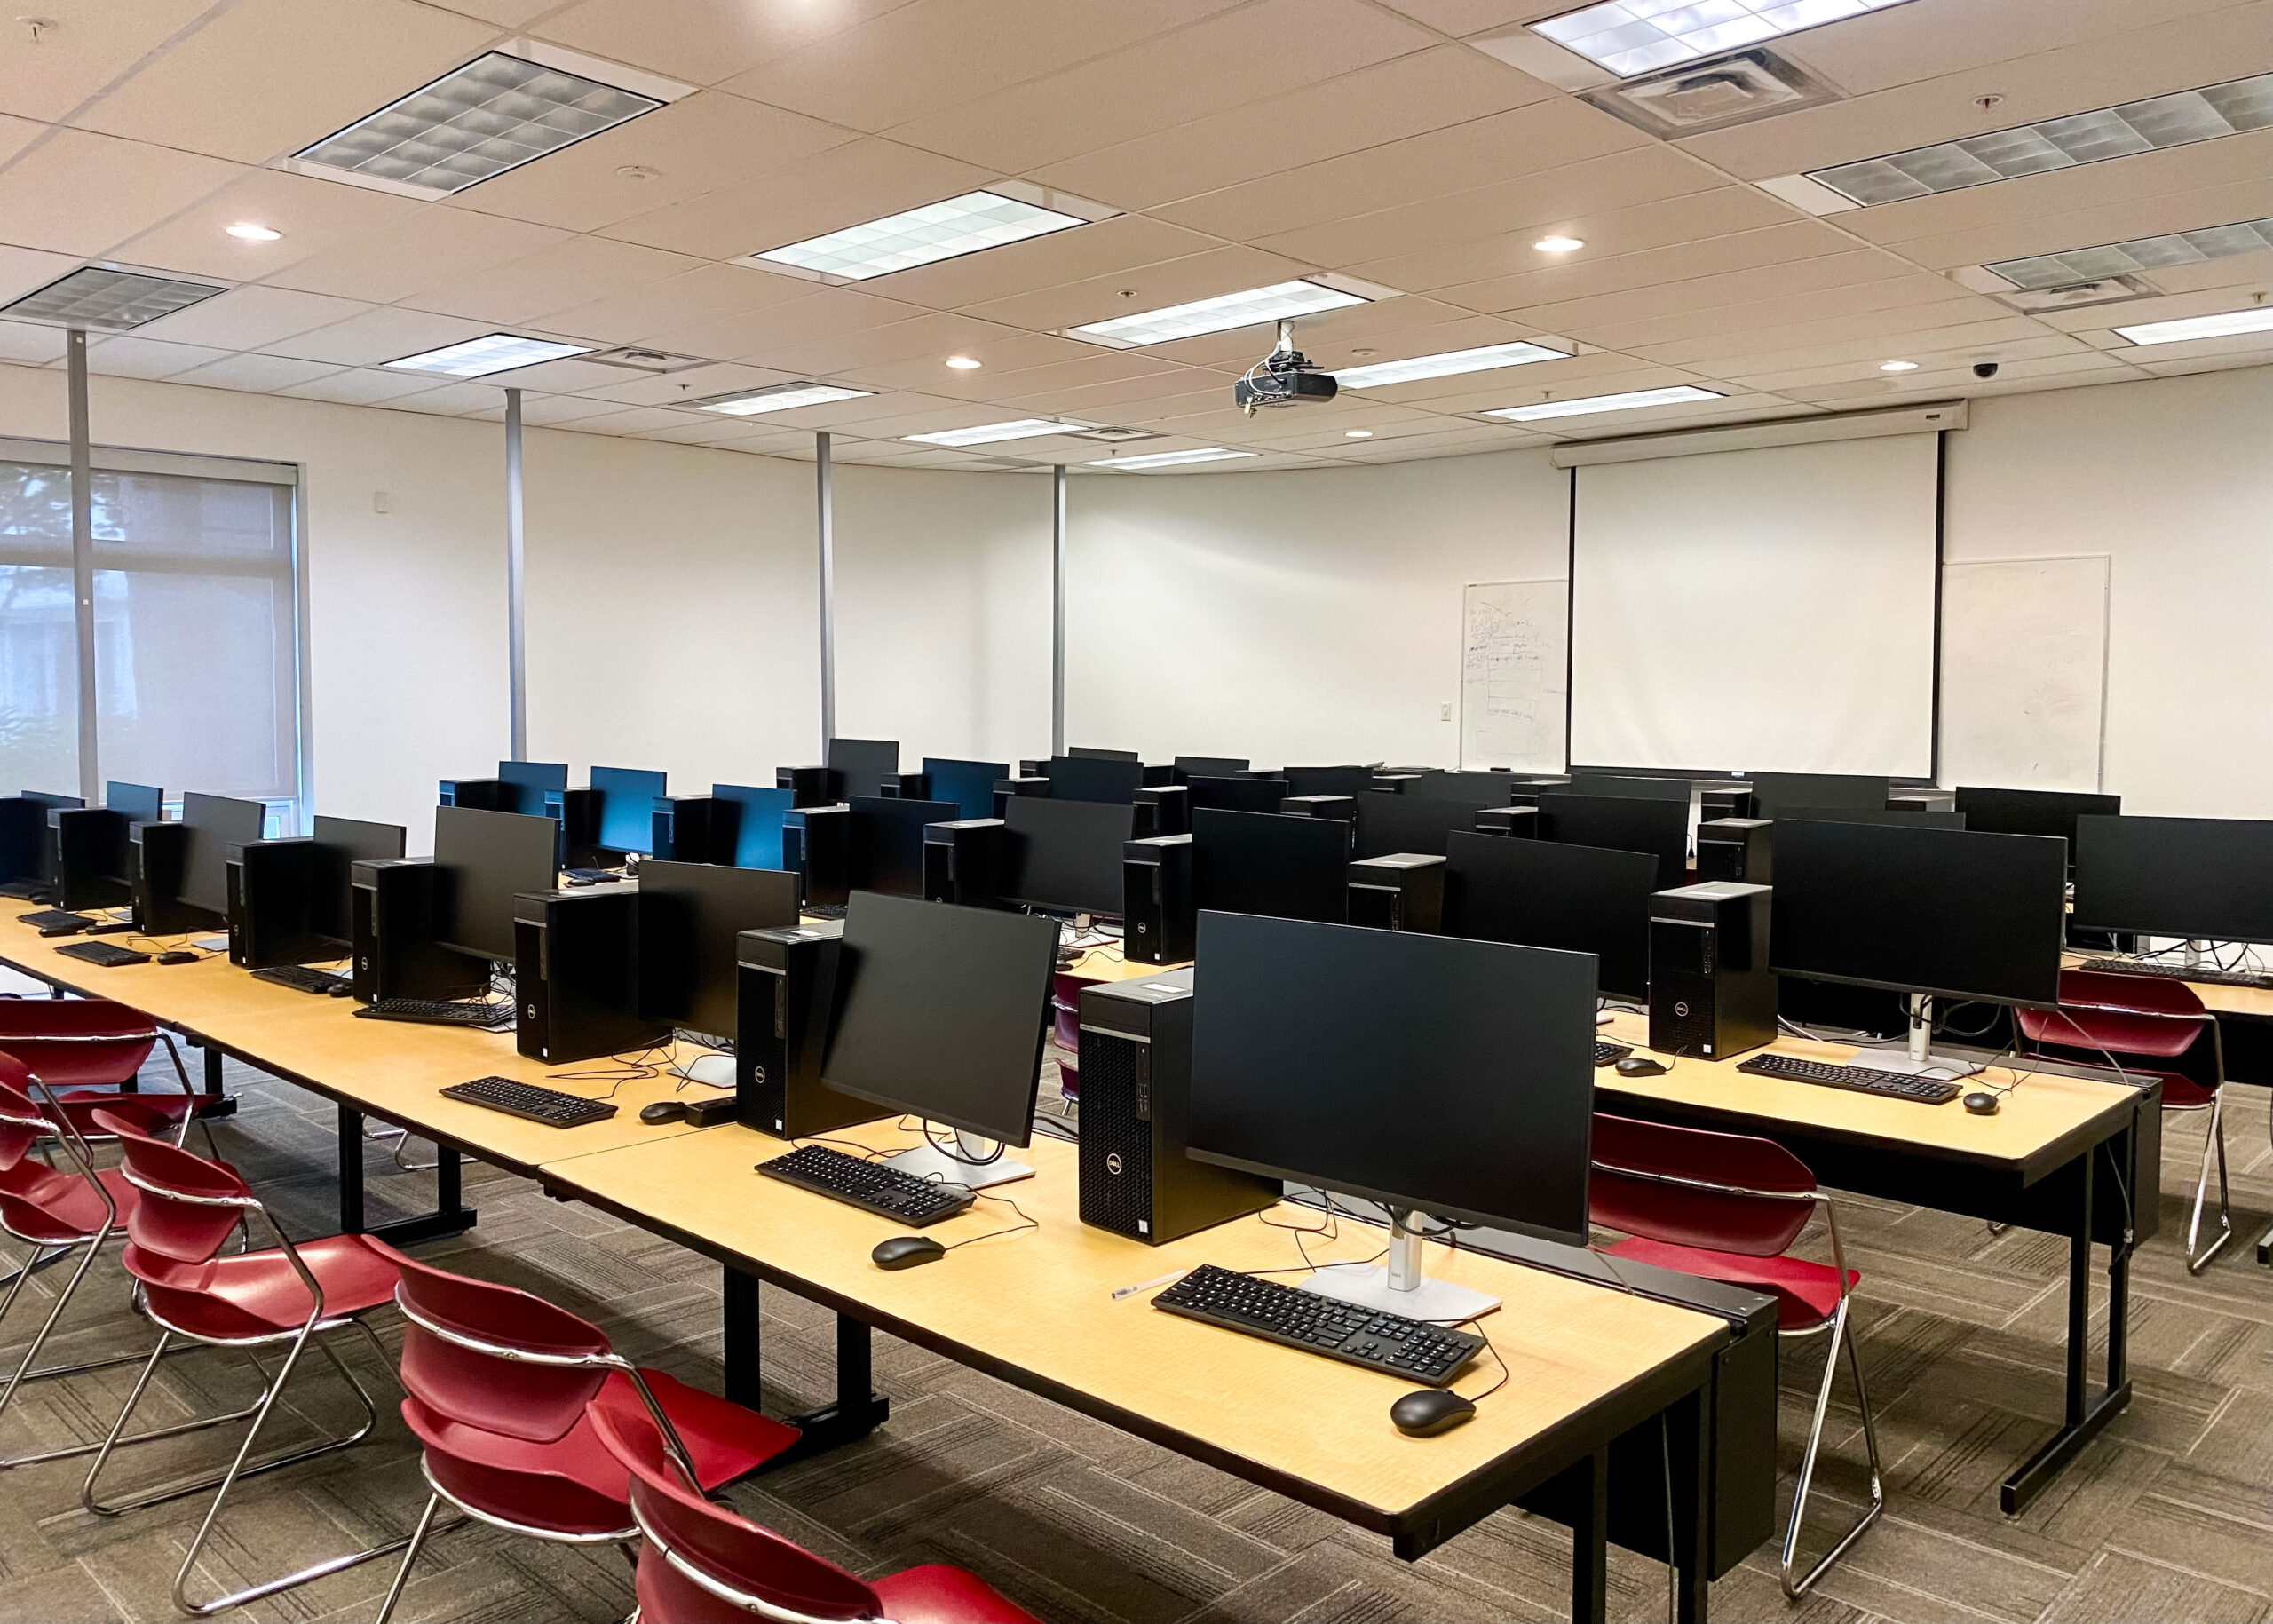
(197, 645)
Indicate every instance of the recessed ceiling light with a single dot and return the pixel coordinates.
(247, 231)
(2075, 265)
(480, 357)
(775, 397)
(1633, 37)
(1356, 433)
(1277, 303)
(963, 363)
(1605, 403)
(1445, 364)
(1898, 365)
(947, 230)
(2179, 119)
(494, 114)
(987, 434)
(110, 297)
(2224, 325)
(1558, 245)
(1169, 459)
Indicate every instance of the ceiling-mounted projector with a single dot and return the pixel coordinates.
(1283, 377)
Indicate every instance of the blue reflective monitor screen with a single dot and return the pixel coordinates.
(628, 798)
(757, 838)
(969, 784)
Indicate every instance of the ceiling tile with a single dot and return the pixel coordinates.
(1173, 282)
(561, 275)
(1852, 268)
(1118, 246)
(1893, 333)
(1585, 276)
(315, 215)
(821, 313)
(360, 386)
(80, 193)
(24, 269)
(94, 44)
(1897, 299)
(2117, 220)
(30, 342)
(679, 303)
(129, 356)
(704, 42)
(1112, 401)
(247, 318)
(552, 410)
(256, 372)
(676, 389)
(433, 246)
(16, 134)
(1461, 17)
(928, 339)
(377, 336)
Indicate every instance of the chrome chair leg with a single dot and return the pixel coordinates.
(2214, 1145)
(410, 1556)
(1794, 1588)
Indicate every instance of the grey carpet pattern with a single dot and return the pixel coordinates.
(2168, 1516)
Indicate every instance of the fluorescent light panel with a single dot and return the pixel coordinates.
(494, 114)
(113, 300)
(2225, 325)
(480, 357)
(2179, 119)
(1637, 36)
(1605, 403)
(987, 434)
(1445, 364)
(1169, 459)
(1279, 302)
(775, 397)
(2177, 248)
(960, 225)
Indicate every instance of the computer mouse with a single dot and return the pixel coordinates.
(1981, 1103)
(1640, 1065)
(1429, 1411)
(344, 989)
(662, 1111)
(177, 956)
(907, 1251)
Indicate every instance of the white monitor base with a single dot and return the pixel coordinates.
(1366, 1286)
(1948, 1067)
(714, 1071)
(928, 1162)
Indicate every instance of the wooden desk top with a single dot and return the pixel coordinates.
(2042, 1122)
(391, 1069)
(2216, 997)
(1035, 1308)
(1107, 963)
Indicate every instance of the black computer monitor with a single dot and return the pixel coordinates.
(2034, 812)
(1634, 789)
(135, 802)
(1772, 792)
(1065, 855)
(1247, 795)
(1947, 911)
(1327, 780)
(1430, 1073)
(1095, 778)
(2199, 879)
(689, 914)
(969, 784)
(215, 822)
(491, 858)
(885, 842)
(1479, 788)
(1389, 823)
(339, 844)
(942, 1012)
(1083, 752)
(1543, 893)
(1210, 766)
(1264, 863)
(530, 780)
(54, 802)
(1621, 823)
(865, 765)
(757, 827)
(1904, 819)
(628, 797)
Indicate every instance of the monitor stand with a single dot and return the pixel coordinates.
(969, 1165)
(1400, 1287)
(712, 1071)
(1921, 1061)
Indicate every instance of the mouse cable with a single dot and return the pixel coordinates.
(1024, 1221)
(633, 1065)
(1497, 1359)
(954, 1151)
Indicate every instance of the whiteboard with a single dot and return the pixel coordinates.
(1515, 675)
(2023, 672)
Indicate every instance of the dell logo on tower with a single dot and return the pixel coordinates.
(1112, 1164)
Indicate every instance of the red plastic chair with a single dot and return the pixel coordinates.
(501, 1389)
(1065, 1031)
(284, 1295)
(2109, 1016)
(89, 1049)
(703, 1563)
(1728, 1206)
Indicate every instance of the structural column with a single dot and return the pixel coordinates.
(823, 491)
(83, 563)
(517, 675)
(1057, 610)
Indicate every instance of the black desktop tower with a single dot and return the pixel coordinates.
(1730, 803)
(393, 903)
(1404, 892)
(1030, 783)
(1341, 806)
(817, 843)
(1740, 849)
(90, 859)
(1522, 822)
(576, 976)
(810, 786)
(1163, 808)
(1711, 991)
(1159, 926)
(1136, 1091)
(786, 1000)
(962, 861)
(482, 794)
(268, 885)
(695, 828)
(579, 843)
(23, 837)
(160, 852)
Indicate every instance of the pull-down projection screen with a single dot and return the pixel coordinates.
(1766, 610)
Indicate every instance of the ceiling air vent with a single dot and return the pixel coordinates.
(2077, 296)
(1730, 90)
(632, 358)
(1113, 436)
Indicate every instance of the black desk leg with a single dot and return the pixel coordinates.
(740, 1354)
(215, 1102)
(858, 1408)
(1690, 1451)
(1590, 1538)
(2083, 1418)
(451, 1216)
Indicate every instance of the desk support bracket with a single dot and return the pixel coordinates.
(214, 1102)
(451, 1216)
(858, 1410)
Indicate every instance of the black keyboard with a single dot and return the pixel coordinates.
(824, 910)
(1610, 1054)
(103, 954)
(550, 1106)
(55, 922)
(300, 978)
(2208, 974)
(443, 1013)
(28, 891)
(886, 1191)
(1862, 1078)
(590, 876)
(1429, 1354)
